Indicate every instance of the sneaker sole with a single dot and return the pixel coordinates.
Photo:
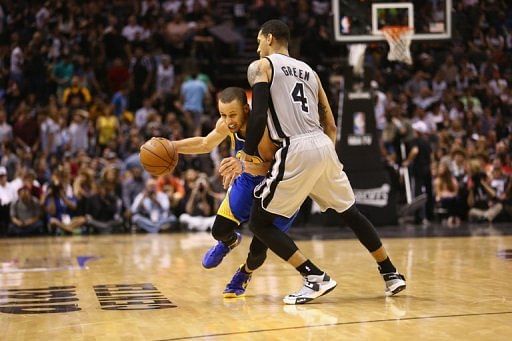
(232, 295)
(303, 300)
(396, 290)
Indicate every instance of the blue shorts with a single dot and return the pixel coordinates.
(239, 199)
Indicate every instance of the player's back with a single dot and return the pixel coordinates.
(294, 98)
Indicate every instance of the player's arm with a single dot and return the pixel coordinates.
(259, 74)
(325, 113)
(233, 165)
(203, 144)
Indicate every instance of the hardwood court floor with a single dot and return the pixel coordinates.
(458, 288)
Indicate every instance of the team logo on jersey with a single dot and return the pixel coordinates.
(377, 197)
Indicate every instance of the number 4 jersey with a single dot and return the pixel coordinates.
(293, 107)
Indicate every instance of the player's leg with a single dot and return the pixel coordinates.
(297, 166)
(256, 257)
(235, 208)
(333, 190)
(223, 230)
(316, 281)
(368, 236)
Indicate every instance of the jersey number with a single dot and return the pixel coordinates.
(298, 96)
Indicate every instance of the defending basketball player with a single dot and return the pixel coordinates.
(243, 177)
(288, 95)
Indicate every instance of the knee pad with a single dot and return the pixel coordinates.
(223, 228)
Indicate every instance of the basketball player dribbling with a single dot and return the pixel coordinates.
(289, 100)
(236, 206)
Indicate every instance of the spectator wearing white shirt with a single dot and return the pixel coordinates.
(49, 129)
(78, 131)
(17, 58)
(132, 29)
(151, 209)
(142, 114)
(497, 84)
(7, 196)
(5, 128)
(165, 76)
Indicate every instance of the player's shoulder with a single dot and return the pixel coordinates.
(260, 64)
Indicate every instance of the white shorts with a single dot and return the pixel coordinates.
(306, 165)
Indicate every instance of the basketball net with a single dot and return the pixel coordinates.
(356, 57)
(399, 40)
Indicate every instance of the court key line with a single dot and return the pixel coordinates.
(335, 324)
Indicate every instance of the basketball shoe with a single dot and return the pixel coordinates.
(314, 286)
(395, 282)
(216, 254)
(236, 288)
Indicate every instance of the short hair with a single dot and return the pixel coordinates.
(233, 93)
(278, 29)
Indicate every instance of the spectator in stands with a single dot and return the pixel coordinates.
(151, 209)
(79, 131)
(482, 200)
(418, 161)
(446, 189)
(143, 113)
(104, 210)
(7, 196)
(193, 94)
(165, 77)
(25, 214)
(173, 187)
(62, 72)
(199, 210)
(5, 128)
(141, 71)
(132, 186)
(60, 207)
(76, 96)
(107, 127)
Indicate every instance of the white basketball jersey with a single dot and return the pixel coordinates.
(293, 107)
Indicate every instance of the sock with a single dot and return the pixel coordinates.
(231, 241)
(307, 268)
(244, 271)
(386, 266)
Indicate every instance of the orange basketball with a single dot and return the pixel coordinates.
(158, 156)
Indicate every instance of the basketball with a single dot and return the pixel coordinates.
(158, 156)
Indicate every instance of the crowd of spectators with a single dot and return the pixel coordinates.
(453, 111)
(84, 83)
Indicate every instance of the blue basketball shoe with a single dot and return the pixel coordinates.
(216, 254)
(236, 288)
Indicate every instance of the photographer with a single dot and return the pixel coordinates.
(199, 214)
(151, 209)
(482, 197)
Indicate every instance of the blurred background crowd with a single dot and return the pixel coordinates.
(84, 83)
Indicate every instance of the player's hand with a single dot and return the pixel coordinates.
(230, 165)
(230, 168)
(228, 179)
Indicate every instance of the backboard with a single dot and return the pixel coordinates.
(362, 20)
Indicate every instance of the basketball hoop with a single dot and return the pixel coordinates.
(399, 40)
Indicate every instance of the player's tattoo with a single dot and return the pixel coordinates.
(322, 113)
(253, 71)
